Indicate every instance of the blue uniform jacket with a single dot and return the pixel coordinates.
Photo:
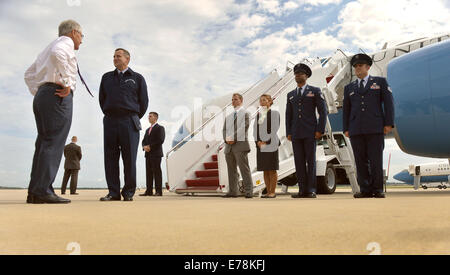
(301, 119)
(125, 97)
(369, 111)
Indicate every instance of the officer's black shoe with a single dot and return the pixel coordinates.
(127, 198)
(362, 195)
(249, 196)
(297, 196)
(109, 198)
(310, 195)
(229, 196)
(53, 198)
(145, 194)
(30, 198)
(379, 195)
(158, 194)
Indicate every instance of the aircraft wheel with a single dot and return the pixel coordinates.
(290, 180)
(327, 184)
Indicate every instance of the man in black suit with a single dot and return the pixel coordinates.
(72, 153)
(152, 145)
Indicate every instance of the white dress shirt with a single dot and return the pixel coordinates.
(301, 90)
(365, 80)
(57, 63)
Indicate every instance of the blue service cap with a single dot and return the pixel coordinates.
(302, 68)
(361, 58)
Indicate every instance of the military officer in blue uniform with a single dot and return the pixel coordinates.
(303, 128)
(368, 115)
(124, 100)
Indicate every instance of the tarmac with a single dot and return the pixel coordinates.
(406, 222)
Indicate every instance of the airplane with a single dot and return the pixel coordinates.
(417, 72)
(431, 173)
(421, 84)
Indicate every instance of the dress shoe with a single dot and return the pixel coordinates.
(52, 198)
(379, 195)
(297, 196)
(362, 195)
(158, 195)
(310, 195)
(229, 196)
(109, 198)
(127, 198)
(30, 198)
(145, 195)
(63, 193)
(249, 196)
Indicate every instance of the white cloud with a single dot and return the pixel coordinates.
(369, 24)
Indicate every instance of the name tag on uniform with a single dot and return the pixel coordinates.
(310, 94)
(128, 80)
(291, 98)
(352, 93)
(375, 86)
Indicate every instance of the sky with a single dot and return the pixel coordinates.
(185, 50)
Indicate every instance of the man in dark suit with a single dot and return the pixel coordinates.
(72, 153)
(124, 100)
(302, 128)
(152, 145)
(368, 115)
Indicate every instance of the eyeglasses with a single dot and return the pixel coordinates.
(82, 35)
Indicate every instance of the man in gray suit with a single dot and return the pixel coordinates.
(72, 153)
(235, 134)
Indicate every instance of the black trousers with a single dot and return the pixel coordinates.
(120, 137)
(73, 175)
(368, 152)
(53, 116)
(305, 164)
(153, 172)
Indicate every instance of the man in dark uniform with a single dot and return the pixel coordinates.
(72, 153)
(367, 116)
(124, 100)
(152, 145)
(302, 128)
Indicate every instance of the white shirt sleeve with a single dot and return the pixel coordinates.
(60, 55)
(30, 79)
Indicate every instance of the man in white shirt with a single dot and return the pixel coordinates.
(52, 80)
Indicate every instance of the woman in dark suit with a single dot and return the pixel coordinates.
(266, 126)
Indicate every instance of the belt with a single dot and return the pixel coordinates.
(53, 85)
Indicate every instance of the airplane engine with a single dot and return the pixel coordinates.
(420, 82)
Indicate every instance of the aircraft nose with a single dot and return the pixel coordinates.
(401, 176)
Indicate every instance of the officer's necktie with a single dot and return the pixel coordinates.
(361, 85)
(150, 130)
(120, 76)
(82, 81)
